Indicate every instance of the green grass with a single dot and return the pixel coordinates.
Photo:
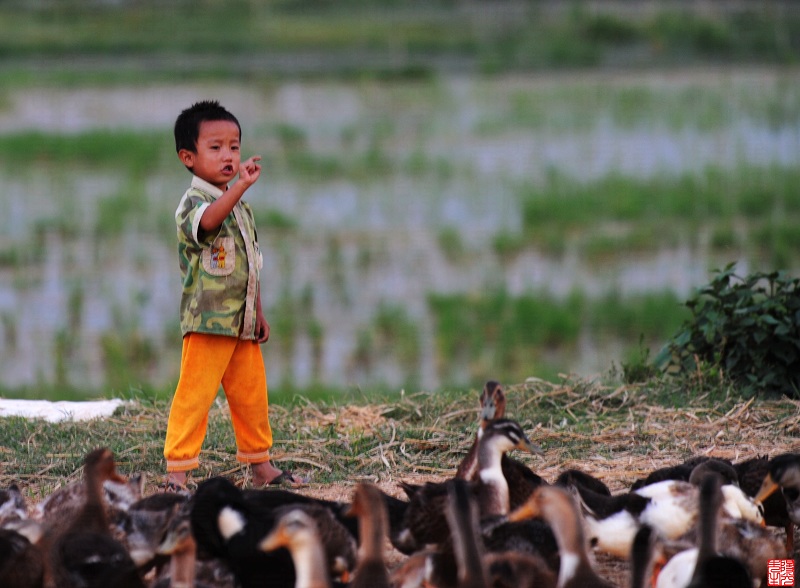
(405, 35)
(182, 27)
(127, 149)
(656, 316)
(517, 335)
(676, 206)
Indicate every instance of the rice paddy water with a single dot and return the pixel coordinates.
(416, 233)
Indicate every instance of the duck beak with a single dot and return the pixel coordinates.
(117, 477)
(768, 487)
(526, 445)
(276, 539)
(168, 545)
(488, 411)
(142, 556)
(527, 510)
(353, 509)
(659, 561)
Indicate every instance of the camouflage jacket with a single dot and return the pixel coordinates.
(220, 271)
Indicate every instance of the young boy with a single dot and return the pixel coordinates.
(221, 318)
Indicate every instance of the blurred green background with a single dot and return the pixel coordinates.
(452, 191)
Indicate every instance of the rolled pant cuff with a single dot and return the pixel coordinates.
(182, 465)
(259, 457)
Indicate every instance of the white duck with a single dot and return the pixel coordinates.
(700, 565)
(670, 507)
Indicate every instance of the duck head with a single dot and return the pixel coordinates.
(493, 402)
(100, 465)
(783, 474)
(505, 435)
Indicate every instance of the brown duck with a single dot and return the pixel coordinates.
(492, 406)
(21, 561)
(424, 521)
(462, 518)
(369, 506)
(520, 478)
(80, 551)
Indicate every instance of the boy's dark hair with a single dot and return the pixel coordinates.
(187, 125)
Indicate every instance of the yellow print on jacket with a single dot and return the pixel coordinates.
(218, 257)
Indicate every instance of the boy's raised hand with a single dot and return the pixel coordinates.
(250, 170)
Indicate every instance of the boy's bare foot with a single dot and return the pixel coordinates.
(175, 482)
(266, 474)
(178, 478)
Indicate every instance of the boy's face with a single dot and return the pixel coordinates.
(216, 157)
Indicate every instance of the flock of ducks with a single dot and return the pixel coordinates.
(494, 524)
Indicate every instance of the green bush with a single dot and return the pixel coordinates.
(747, 327)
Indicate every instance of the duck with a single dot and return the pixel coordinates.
(647, 557)
(339, 544)
(494, 487)
(142, 526)
(415, 570)
(179, 545)
(427, 535)
(557, 507)
(424, 521)
(526, 537)
(572, 477)
(229, 527)
(611, 521)
(80, 550)
(669, 506)
(118, 494)
(516, 552)
(751, 474)
(338, 531)
(458, 561)
(520, 478)
(13, 506)
(369, 506)
(461, 511)
(228, 523)
(185, 570)
(783, 472)
(396, 512)
(21, 560)
(492, 406)
(520, 553)
(683, 471)
(268, 499)
(751, 544)
(703, 566)
(511, 569)
(296, 531)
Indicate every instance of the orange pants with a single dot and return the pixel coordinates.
(206, 362)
